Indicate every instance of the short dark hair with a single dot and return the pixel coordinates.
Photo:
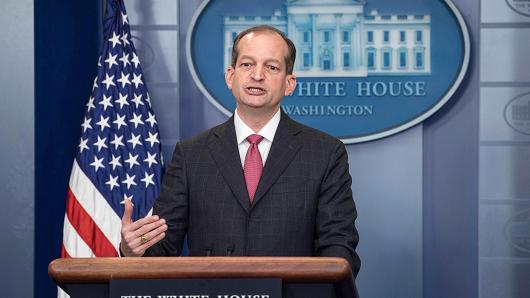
(291, 53)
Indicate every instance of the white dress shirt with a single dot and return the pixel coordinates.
(267, 132)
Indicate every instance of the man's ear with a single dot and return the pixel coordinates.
(229, 75)
(290, 84)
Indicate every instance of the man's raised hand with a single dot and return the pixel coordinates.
(138, 236)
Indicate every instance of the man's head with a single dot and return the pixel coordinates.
(261, 71)
(289, 58)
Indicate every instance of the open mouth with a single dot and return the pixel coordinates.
(255, 90)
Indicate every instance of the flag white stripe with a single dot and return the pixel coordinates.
(61, 293)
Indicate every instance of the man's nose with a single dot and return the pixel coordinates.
(257, 73)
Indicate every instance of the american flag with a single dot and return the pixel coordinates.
(119, 154)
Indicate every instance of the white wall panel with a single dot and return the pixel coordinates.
(504, 231)
(499, 11)
(504, 55)
(152, 12)
(17, 152)
(387, 188)
(506, 279)
(496, 118)
(504, 172)
(158, 53)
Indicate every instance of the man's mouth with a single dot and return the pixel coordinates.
(255, 91)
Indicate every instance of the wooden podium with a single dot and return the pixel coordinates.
(90, 277)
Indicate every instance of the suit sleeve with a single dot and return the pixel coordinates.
(336, 214)
(172, 205)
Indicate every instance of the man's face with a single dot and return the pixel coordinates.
(259, 80)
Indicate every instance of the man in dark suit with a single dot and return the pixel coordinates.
(259, 184)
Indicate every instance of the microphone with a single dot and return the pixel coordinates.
(209, 250)
(230, 249)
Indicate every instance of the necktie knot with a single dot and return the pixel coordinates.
(254, 139)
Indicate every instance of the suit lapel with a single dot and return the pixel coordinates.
(223, 147)
(284, 146)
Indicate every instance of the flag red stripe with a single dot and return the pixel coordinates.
(64, 253)
(87, 228)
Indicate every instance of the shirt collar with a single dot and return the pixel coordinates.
(268, 131)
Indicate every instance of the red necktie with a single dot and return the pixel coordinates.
(253, 165)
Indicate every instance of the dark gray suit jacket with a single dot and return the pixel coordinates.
(303, 205)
